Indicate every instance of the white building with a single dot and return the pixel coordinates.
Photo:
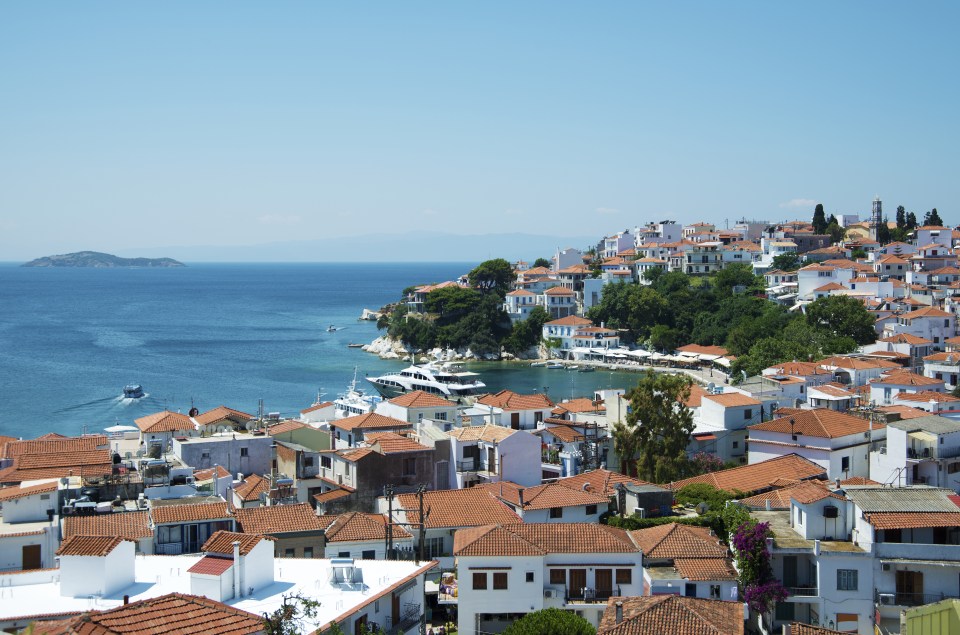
(487, 454)
(520, 412)
(507, 571)
(923, 450)
(685, 560)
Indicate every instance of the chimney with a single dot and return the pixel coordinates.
(838, 482)
(126, 600)
(768, 504)
(237, 589)
(619, 612)
(520, 497)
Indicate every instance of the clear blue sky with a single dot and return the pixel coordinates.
(132, 125)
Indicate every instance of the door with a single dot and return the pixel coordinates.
(515, 420)
(909, 588)
(31, 557)
(604, 580)
(395, 610)
(790, 571)
(578, 582)
(491, 460)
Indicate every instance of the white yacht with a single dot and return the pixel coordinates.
(354, 401)
(449, 379)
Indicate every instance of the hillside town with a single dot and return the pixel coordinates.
(788, 462)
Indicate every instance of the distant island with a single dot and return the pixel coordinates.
(100, 260)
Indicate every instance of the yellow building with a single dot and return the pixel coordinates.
(942, 618)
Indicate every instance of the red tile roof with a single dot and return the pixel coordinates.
(165, 421)
(222, 542)
(278, 519)
(358, 526)
(126, 525)
(172, 614)
(251, 488)
(545, 496)
(732, 400)
(703, 569)
(54, 444)
(570, 320)
(821, 423)
(600, 481)
(912, 520)
(185, 513)
(14, 493)
(509, 400)
(486, 433)
(392, 443)
(673, 614)
(674, 540)
(211, 565)
(97, 546)
(369, 421)
(222, 413)
(290, 425)
(522, 539)
(458, 508)
(420, 399)
(759, 476)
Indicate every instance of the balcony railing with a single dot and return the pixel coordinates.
(803, 591)
(908, 599)
(590, 594)
(468, 465)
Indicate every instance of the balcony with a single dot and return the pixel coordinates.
(943, 555)
(589, 595)
(803, 591)
(898, 599)
(410, 619)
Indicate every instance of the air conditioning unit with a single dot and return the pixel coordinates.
(885, 566)
(549, 593)
(887, 599)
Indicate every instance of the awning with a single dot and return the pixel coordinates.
(705, 437)
(707, 357)
(637, 353)
(723, 361)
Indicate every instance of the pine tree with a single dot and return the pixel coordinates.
(933, 218)
(911, 221)
(819, 219)
(901, 217)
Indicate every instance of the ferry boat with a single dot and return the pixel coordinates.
(132, 391)
(449, 380)
(354, 401)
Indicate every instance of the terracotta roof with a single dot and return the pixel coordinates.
(927, 396)
(509, 400)
(804, 492)
(859, 480)
(601, 481)
(697, 393)
(798, 628)
(420, 399)
(704, 569)
(13, 493)
(391, 443)
(913, 520)
(220, 413)
(222, 542)
(331, 495)
(358, 526)
(42, 465)
(674, 614)
(286, 426)
(579, 404)
(758, 476)
(165, 421)
(678, 541)
(570, 320)
(127, 525)
(821, 423)
(316, 406)
(53, 444)
(207, 474)
(952, 358)
(185, 513)
(703, 350)
(565, 434)
(559, 291)
(485, 432)
(833, 391)
(856, 363)
(732, 399)
(541, 538)
(458, 508)
(546, 496)
(211, 565)
(251, 488)
(905, 412)
(173, 614)
(368, 421)
(278, 519)
(906, 378)
(927, 312)
(97, 546)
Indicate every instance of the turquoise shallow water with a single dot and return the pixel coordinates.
(207, 334)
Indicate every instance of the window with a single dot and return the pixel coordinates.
(409, 467)
(500, 580)
(343, 554)
(479, 581)
(846, 579)
(308, 461)
(529, 577)
(624, 576)
(289, 553)
(845, 464)
(591, 510)
(308, 552)
(440, 416)
(244, 451)
(799, 516)
(558, 576)
(714, 591)
(44, 497)
(376, 606)
(748, 414)
(205, 454)
(325, 462)
(369, 554)
(556, 512)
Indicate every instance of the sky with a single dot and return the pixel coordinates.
(133, 126)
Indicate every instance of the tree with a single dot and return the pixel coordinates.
(932, 218)
(736, 275)
(450, 302)
(492, 275)
(663, 425)
(624, 437)
(883, 232)
(526, 333)
(542, 262)
(901, 217)
(293, 616)
(550, 622)
(664, 338)
(789, 261)
(911, 221)
(760, 589)
(858, 253)
(836, 232)
(843, 316)
(819, 219)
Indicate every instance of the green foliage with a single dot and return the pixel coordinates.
(883, 232)
(550, 622)
(736, 275)
(492, 276)
(797, 341)
(542, 262)
(901, 217)
(932, 218)
(526, 333)
(631, 523)
(836, 232)
(451, 302)
(843, 316)
(786, 262)
(858, 253)
(630, 306)
(696, 493)
(819, 220)
(911, 221)
(664, 338)
(662, 425)
(292, 616)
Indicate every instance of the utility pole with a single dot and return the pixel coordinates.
(388, 535)
(423, 521)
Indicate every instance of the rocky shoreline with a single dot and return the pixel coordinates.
(387, 348)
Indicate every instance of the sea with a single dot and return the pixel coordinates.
(206, 335)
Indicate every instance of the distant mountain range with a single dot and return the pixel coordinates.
(100, 260)
(407, 247)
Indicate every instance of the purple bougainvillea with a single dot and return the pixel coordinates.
(760, 589)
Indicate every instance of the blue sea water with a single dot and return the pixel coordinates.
(206, 334)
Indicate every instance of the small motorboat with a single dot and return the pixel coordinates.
(331, 328)
(354, 345)
(554, 365)
(573, 367)
(132, 391)
(586, 369)
(538, 364)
